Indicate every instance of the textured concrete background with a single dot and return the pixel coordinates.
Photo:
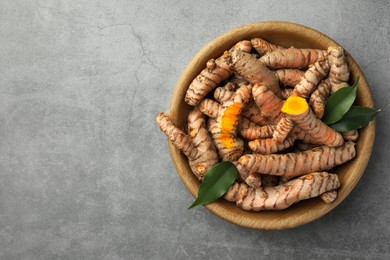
(85, 172)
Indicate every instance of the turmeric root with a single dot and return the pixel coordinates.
(319, 97)
(293, 58)
(295, 164)
(311, 78)
(244, 123)
(329, 196)
(283, 128)
(182, 141)
(244, 45)
(351, 135)
(202, 141)
(285, 93)
(223, 94)
(252, 179)
(258, 132)
(215, 72)
(263, 47)
(211, 108)
(253, 113)
(268, 102)
(229, 147)
(339, 70)
(289, 77)
(199, 149)
(282, 196)
(250, 110)
(301, 114)
(270, 145)
(253, 70)
(225, 129)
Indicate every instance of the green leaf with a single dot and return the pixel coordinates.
(339, 103)
(216, 182)
(357, 117)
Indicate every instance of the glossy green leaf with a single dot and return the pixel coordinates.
(339, 103)
(357, 117)
(215, 183)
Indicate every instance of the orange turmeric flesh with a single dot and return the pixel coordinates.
(228, 124)
(295, 105)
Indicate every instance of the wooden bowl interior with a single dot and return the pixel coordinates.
(284, 34)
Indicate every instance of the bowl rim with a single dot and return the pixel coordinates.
(275, 219)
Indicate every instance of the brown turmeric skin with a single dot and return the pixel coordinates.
(263, 47)
(209, 107)
(283, 128)
(270, 145)
(301, 114)
(253, 70)
(319, 97)
(202, 140)
(329, 196)
(258, 132)
(198, 147)
(311, 78)
(351, 135)
(282, 196)
(223, 94)
(215, 72)
(289, 77)
(290, 165)
(245, 46)
(339, 70)
(293, 58)
(182, 141)
(285, 93)
(268, 102)
(252, 179)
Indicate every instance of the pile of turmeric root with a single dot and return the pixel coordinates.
(260, 106)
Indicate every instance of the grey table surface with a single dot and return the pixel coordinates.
(85, 172)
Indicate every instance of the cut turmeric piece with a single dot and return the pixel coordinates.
(228, 123)
(295, 106)
(300, 112)
(235, 146)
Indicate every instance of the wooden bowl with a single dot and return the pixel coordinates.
(284, 34)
